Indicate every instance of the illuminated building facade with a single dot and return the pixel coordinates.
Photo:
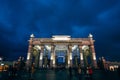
(61, 49)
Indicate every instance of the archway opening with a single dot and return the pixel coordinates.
(60, 58)
(87, 56)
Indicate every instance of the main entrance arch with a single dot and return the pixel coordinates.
(61, 50)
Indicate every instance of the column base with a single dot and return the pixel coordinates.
(28, 63)
(68, 65)
(82, 63)
(51, 63)
(40, 63)
(54, 65)
(95, 64)
(71, 63)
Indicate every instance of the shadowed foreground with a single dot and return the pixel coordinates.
(61, 74)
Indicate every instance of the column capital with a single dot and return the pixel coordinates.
(92, 41)
(70, 46)
(52, 49)
(52, 46)
(30, 42)
(80, 46)
(42, 46)
(92, 46)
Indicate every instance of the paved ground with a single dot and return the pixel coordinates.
(60, 75)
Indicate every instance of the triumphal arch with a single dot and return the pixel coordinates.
(61, 50)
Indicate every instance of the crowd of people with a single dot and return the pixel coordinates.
(18, 68)
(82, 72)
(118, 71)
(86, 73)
(15, 69)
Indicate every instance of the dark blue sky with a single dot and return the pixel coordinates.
(44, 18)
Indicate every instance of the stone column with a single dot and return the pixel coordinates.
(41, 56)
(52, 59)
(29, 54)
(81, 56)
(70, 54)
(93, 56)
(92, 50)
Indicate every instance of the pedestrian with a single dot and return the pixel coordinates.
(70, 72)
(90, 72)
(10, 72)
(29, 71)
(118, 71)
(76, 71)
(87, 73)
(32, 70)
(14, 71)
(79, 73)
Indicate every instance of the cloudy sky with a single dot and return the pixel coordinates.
(44, 18)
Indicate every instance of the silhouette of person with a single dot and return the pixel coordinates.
(89, 73)
(10, 71)
(119, 71)
(70, 72)
(79, 73)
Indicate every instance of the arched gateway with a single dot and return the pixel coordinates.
(61, 50)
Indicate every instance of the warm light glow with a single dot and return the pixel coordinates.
(116, 66)
(37, 47)
(68, 62)
(53, 61)
(84, 47)
(70, 56)
(51, 57)
(2, 64)
(41, 56)
(94, 57)
(28, 56)
(61, 37)
(61, 47)
(81, 56)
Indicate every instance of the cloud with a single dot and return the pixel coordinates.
(44, 18)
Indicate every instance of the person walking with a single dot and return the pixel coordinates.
(118, 71)
(90, 72)
(87, 73)
(70, 72)
(79, 73)
(32, 70)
